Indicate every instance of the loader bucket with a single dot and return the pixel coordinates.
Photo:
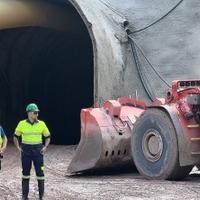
(105, 138)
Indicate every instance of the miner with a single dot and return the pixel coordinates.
(31, 132)
(3, 143)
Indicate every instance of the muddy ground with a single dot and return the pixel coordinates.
(123, 186)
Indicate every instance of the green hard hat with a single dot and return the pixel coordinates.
(32, 107)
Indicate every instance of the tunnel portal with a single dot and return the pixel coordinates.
(51, 67)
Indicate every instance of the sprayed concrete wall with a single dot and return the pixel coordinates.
(171, 45)
(113, 64)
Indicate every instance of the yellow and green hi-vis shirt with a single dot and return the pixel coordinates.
(2, 134)
(32, 133)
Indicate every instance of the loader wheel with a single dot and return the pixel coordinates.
(155, 147)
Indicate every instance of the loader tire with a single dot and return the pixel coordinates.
(155, 147)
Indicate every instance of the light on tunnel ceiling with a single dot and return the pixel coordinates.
(17, 13)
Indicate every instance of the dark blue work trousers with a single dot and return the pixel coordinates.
(32, 154)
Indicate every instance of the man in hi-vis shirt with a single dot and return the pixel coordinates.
(31, 131)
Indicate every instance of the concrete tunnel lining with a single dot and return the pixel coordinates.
(52, 67)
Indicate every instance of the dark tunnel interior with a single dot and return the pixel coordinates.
(51, 68)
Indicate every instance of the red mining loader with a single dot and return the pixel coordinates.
(162, 140)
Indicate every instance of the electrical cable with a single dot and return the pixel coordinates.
(158, 20)
(142, 76)
(148, 61)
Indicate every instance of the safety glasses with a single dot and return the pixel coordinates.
(35, 113)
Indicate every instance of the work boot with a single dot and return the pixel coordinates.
(41, 189)
(25, 189)
(23, 198)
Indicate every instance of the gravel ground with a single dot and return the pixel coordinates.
(123, 186)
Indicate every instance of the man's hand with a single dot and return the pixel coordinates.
(2, 150)
(16, 142)
(44, 150)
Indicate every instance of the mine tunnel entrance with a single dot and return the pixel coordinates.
(51, 68)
